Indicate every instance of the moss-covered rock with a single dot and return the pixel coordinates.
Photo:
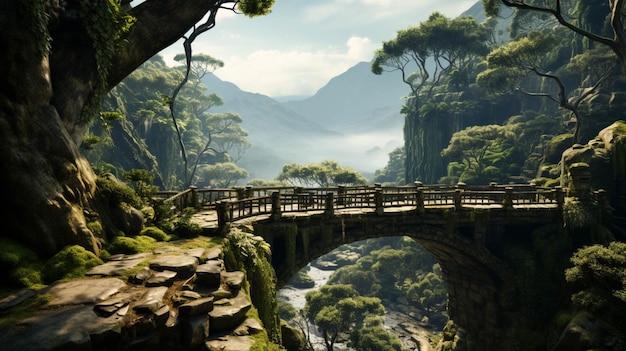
(71, 262)
(248, 253)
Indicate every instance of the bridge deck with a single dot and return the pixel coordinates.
(207, 219)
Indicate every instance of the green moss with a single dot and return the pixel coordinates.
(96, 228)
(247, 253)
(71, 262)
(127, 245)
(19, 265)
(113, 193)
(155, 233)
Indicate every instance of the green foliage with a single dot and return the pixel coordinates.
(114, 193)
(253, 8)
(141, 180)
(19, 265)
(578, 214)
(149, 138)
(375, 338)
(34, 13)
(107, 26)
(221, 175)
(481, 154)
(286, 311)
(338, 309)
(71, 262)
(128, 245)
(324, 174)
(393, 173)
(599, 277)
(428, 291)
(250, 253)
(184, 227)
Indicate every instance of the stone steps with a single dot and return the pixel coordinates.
(182, 299)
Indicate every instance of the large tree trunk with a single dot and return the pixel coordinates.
(49, 186)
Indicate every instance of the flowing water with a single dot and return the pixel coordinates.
(414, 340)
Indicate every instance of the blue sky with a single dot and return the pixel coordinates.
(302, 44)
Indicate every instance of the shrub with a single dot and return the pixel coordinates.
(183, 227)
(113, 193)
(71, 262)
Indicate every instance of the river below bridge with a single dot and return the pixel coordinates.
(401, 320)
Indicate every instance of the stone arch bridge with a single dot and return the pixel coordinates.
(466, 228)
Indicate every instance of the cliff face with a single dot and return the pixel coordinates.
(606, 157)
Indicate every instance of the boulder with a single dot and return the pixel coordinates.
(584, 332)
(293, 339)
(194, 331)
(210, 273)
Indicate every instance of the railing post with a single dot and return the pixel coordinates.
(249, 192)
(191, 199)
(223, 216)
(420, 197)
(341, 195)
(329, 207)
(507, 203)
(460, 186)
(276, 207)
(241, 193)
(378, 201)
(457, 199)
(559, 197)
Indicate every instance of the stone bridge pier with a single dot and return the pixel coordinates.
(483, 290)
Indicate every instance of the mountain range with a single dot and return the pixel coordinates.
(354, 119)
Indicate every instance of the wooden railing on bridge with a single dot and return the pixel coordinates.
(241, 202)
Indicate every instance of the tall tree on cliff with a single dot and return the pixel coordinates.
(424, 55)
(597, 24)
(58, 60)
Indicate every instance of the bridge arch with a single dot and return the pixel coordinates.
(482, 293)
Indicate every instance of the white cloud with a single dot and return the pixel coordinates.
(298, 48)
(293, 72)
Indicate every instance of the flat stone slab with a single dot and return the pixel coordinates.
(151, 300)
(84, 291)
(214, 253)
(227, 314)
(16, 299)
(115, 268)
(165, 278)
(68, 329)
(234, 279)
(229, 343)
(184, 265)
